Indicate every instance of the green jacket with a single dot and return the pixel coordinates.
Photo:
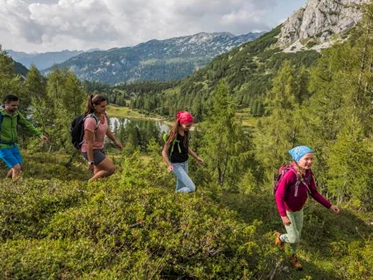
(8, 129)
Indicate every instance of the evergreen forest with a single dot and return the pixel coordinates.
(251, 105)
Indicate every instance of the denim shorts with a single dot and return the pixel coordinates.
(98, 156)
(11, 156)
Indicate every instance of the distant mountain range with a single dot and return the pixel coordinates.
(160, 60)
(249, 69)
(42, 60)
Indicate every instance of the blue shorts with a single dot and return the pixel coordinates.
(11, 156)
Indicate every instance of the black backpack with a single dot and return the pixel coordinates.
(77, 129)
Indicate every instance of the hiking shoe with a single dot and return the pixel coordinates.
(279, 243)
(295, 263)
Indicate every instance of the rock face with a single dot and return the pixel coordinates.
(319, 20)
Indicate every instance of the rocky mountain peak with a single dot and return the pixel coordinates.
(317, 22)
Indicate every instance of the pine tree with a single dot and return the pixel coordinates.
(281, 128)
(65, 100)
(35, 84)
(36, 95)
(362, 54)
(323, 113)
(226, 148)
(350, 166)
(10, 83)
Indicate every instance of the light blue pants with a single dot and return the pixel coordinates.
(293, 230)
(184, 184)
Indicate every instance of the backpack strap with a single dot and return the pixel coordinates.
(173, 146)
(93, 116)
(301, 181)
(297, 183)
(96, 119)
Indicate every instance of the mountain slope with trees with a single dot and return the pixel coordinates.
(250, 68)
(133, 225)
(157, 60)
(248, 71)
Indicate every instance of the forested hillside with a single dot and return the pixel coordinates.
(248, 71)
(133, 226)
(250, 68)
(20, 69)
(155, 60)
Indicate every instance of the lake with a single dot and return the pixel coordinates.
(117, 122)
(138, 132)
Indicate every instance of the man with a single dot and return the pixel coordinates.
(10, 118)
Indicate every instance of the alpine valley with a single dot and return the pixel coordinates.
(250, 68)
(309, 81)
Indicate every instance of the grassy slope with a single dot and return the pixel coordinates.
(126, 112)
(48, 217)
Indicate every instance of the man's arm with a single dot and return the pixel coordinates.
(25, 123)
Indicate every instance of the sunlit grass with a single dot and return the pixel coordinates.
(126, 112)
(246, 118)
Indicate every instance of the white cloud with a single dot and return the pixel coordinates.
(84, 24)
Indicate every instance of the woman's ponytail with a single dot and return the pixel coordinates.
(93, 100)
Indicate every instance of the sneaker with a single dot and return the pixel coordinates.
(294, 262)
(279, 243)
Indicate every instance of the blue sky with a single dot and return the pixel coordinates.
(54, 25)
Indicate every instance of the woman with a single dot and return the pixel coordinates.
(95, 128)
(291, 195)
(176, 152)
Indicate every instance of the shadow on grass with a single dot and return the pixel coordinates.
(61, 166)
(322, 232)
(48, 167)
(310, 271)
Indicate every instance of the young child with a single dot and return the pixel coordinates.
(291, 197)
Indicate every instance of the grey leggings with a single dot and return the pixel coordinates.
(293, 230)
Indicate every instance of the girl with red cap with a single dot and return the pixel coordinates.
(176, 152)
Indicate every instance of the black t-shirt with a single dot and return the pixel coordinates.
(180, 152)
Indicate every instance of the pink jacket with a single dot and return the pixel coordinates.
(288, 198)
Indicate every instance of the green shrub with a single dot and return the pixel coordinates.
(48, 259)
(133, 226)
(164, 233)
(26, 207)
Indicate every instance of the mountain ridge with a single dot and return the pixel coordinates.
(250, 68)
(161, 60)
(42, 60)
